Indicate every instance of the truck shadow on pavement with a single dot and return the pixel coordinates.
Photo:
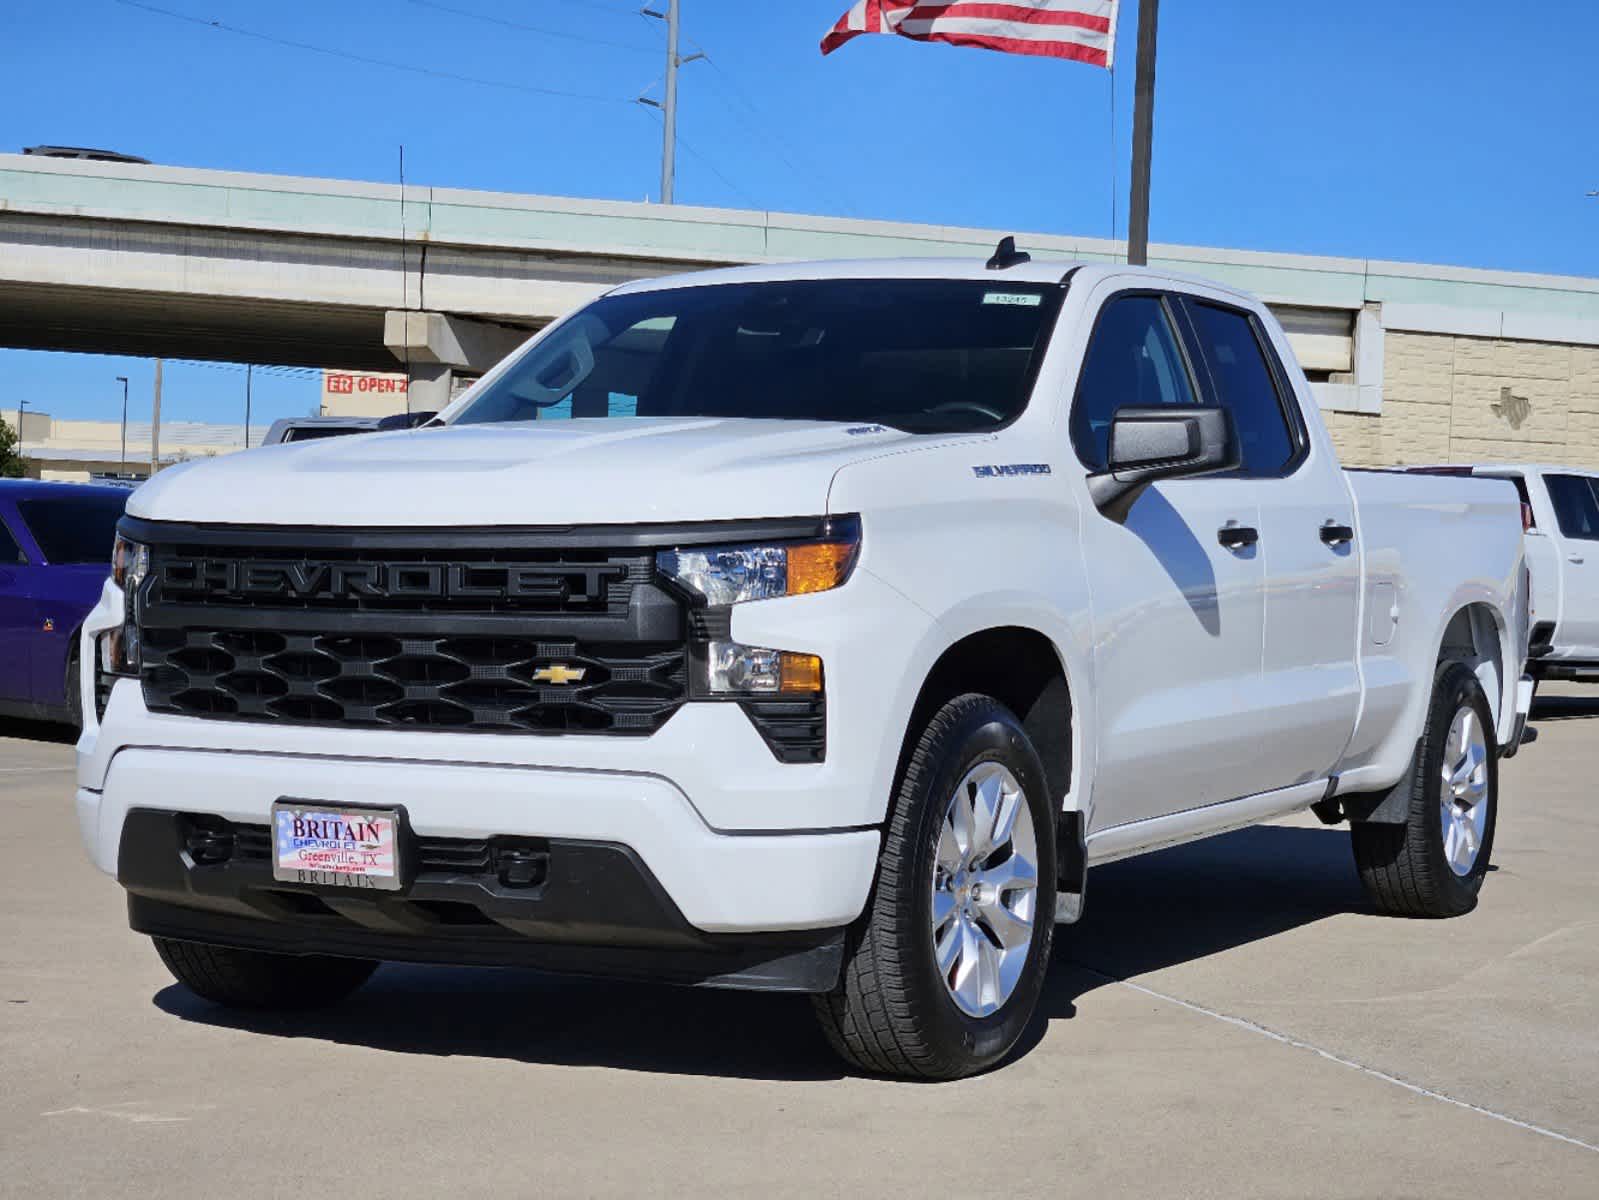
(1565, 708)
(37, 731)
(1143, 914)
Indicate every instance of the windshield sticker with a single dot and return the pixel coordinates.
(1011, 469)
(1014, 299)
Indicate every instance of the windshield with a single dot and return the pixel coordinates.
(925, 356)
(75, 529)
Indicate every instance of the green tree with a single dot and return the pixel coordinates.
(10, 456)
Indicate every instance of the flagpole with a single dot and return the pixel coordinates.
(1143, 134)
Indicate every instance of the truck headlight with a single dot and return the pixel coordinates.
(119, 647)
(723, 575)
(732, 669)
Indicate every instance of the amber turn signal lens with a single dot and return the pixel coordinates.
(819, 566)
(800, 673)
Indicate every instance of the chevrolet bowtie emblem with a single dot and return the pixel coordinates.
(560, 674)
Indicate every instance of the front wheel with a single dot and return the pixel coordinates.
(945, 968)
(1434, 864)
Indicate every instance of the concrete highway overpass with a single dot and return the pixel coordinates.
(187, 263)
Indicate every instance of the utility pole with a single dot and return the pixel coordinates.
(155, 424)
(123, 380)
(669, 108)
(1143, 134)
(249, 372)
(669, 146)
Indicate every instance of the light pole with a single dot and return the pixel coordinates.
(123, 380)
(22, 423)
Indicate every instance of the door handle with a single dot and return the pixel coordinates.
(1337, 535)
(1237, 537)
(1576, 558)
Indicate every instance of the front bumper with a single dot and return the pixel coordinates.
(590, 907)
(719, 883)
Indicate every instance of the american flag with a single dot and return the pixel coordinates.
(1081, 30)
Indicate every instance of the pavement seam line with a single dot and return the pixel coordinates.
(1296, 1043)
(33, 770)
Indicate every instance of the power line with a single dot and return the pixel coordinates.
(506, 23)
(705, 162)
(616, 10)
(292, 44)
(288, 372)
(770, 133)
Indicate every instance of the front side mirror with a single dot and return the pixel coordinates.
(1169, 442)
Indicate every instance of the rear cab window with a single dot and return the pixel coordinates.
(1249, 385)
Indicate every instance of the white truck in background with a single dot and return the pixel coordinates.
(1560, 510)
(809, 627)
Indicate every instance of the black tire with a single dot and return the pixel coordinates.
(258, 979)
(1403, 867)
(891, 1013)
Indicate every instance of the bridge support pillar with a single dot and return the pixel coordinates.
(445, 352)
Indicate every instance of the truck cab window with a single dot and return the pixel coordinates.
(1576, 507)
(1133, 361)
(1246, 386)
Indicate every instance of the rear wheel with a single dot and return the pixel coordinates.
(1434, 864)
(258, 979)
(945, 968)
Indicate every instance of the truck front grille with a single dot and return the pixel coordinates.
(508, 684)
(411, 631)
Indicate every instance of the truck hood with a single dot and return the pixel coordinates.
(575, 472)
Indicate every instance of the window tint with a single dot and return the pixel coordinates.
(1133, 362)
(1576, 507)
(922, 355)
(75, 529)
(10, 553)
(1245, 385)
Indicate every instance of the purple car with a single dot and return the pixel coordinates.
(55, 552)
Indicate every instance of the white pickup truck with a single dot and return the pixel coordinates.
(1560, 509)
(808, 628)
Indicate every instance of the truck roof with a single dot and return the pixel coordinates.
(1045, 270)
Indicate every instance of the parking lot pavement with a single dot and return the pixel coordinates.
(1228, 1021)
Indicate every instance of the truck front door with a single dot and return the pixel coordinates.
(1177, 591)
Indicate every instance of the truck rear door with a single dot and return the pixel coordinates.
(1310, 678)
(1577, 514)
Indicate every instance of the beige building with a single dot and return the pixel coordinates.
(78, 451)
(1449, 398)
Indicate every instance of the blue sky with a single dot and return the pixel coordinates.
(1435, 131)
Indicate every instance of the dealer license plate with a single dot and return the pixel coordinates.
(336, 847)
